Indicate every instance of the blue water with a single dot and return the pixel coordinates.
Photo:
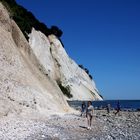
(124, 104)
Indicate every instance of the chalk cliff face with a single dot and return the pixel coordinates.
(24, 89)
(59, 66)
(29, 73)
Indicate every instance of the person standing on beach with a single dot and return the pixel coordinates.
(89, 113)
(83, 107)
(118, 108)
(108, 108)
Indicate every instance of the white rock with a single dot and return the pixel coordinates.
(24, 89)
(29, 71)
(55, 61)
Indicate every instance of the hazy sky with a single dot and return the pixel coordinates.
(103, 35)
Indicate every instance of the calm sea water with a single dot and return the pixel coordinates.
(124, 104)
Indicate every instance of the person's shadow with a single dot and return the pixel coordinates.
(84, 127)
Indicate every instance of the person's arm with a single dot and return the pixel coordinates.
(92, 111)
(86, 111)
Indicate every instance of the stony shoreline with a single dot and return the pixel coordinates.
(124, 126)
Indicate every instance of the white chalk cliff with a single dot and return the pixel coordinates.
(59, 66)
(29, 72)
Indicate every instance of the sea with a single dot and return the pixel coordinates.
(129, 105)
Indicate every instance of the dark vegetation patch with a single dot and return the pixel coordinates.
(26, 20)
(64, 89)
(86, 70)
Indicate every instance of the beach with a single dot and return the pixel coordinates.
(123, 126)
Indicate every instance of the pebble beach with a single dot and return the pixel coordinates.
(123, 126)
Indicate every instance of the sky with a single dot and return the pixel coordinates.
(102, 35)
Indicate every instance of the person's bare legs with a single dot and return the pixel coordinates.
(88, 121)
(117, 112)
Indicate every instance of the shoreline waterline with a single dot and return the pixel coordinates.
(126, 105)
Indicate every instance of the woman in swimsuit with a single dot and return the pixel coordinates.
(89, 114)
